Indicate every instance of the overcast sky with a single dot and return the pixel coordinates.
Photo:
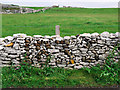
(74, 3)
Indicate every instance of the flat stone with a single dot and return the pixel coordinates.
(94, 45)
(37, 36)
(78, 67)
(73, 37)
(19, 41)
(60, 65)
(86, 64)
(21, 38)
(5, 62)
(85, 35)
(82, 63)
(71, 65)
(52, 64)
(100, 41)
(84, 50)
(9, 38)
(13, 56)
(59, 38)
(7, 59)
(53, 50)
(67, 37)
(47, 37)
(19, 35)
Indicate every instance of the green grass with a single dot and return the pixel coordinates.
(72, 21)
(36, 78)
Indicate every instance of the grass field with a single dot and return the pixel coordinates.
(73, 21)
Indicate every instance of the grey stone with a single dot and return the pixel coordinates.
(84, 50)
(85, 35)
(78, 67)
(105, 34)
(95, 34)
(60, 65)
(53, 50)
(1, 47)
(67, 37)
(102, 57)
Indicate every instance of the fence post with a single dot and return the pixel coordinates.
(57, 30)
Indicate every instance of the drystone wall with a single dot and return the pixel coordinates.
(84, 50)
(10, 9)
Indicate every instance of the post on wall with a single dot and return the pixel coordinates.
(57, 30)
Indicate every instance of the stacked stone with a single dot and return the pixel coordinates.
(84, 50)
(12, 49)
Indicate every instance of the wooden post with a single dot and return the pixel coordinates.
(57, 27)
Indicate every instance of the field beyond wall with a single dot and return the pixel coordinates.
(73, 21)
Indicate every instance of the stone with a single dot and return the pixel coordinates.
(73, 37)
(9, 38)
(19, 41)
(45, 40)
(85, 35)
(67, 42)
(67, 37)
(83, 50)
(5, 62)
(15, 61)
(105, 34)
(59, 38)
(117, 34)
(19, 35)
(16, 46)
(100, 41)
(71, 65)
(78, 67)
(47, 37)
(101, 51)
(1, 47)
(53, 50)
(83, 59)
(52, 64)
(95, 34)
(102, 57)
(112, 36)
(13, 56)
(60, 65)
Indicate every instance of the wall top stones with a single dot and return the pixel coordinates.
(104, 35)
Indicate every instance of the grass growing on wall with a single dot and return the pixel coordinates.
(32, 77)
(72, 21)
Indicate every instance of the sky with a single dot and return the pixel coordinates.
(73, 3)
